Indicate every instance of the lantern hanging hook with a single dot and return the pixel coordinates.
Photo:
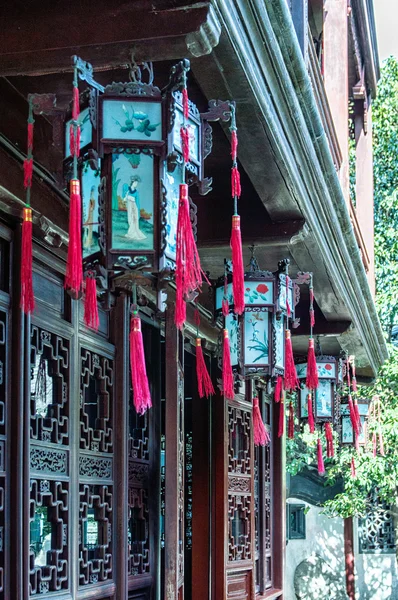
(137, 70)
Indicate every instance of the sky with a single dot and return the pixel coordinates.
(386, 14)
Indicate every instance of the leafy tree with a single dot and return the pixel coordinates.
(379, 472)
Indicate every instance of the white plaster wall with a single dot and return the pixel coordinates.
(324, 537)
(376, 574)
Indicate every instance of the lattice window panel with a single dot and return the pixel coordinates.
(139, 562)
(48, 554)
(376, 530)
(96, 415)
(239, 453)
(49, 420)
(95, 533)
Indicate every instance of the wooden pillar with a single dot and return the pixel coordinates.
(364, 187)
(278, 501)
(335, 35)
(174, 481)
(120, 338)
(349, 557)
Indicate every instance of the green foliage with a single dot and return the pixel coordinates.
(385, 149)
(372, 472)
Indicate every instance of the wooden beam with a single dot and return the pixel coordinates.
(43, 39)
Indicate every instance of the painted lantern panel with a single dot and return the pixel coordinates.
(279, 333)
(193, 132)
(256, 338)
(172, 182)
(86, 131)
(90, 198)
(131, 120)
(133, 203)
(232, 326)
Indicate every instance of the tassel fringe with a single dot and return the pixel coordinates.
(312, 380)
(185, 143)
(235, 183)
(91, 317)
(205, 385)
(260, 433)
(291, 421)
(278, 388)
(281, 426)
(311, 421)
(329, 440)
(227, 374)
(74, 268)
(291, 382)
(238, 277)
(139, 379)
(321, 466)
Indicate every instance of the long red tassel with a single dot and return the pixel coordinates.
(91, 317)
(188, 270)
(27, 296)
(185, 103)
(238, 276)
(74, 267)
(235, 182)
(353, 469)
(290, 428)
(27, 172)
(321, 465)
(139, 378)
(290, 380)
(281, 426)
(29, 148)
(74, 141)
(260, 433)
(312, 380)
(353, 416)
(311, 421)
(205, 385)
(75, 104)
(329, 440)
(227, 374)
(234, 144)
(278, 388)
(185, 143)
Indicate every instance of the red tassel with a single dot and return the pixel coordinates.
(188, 270)
(291, 422)
(234, 145)
(74, 142)
(205, 385)
(91, 318)
(312, 380)
(75, 104)
(27, 296)
(27, 172)
(311, 421)
(260, 433)
(290, 380)
(139, 379)
(281, 427)
(238, 276)
(354, 384)
(353, 416)
(353, 469)
(227, 374)
(321, 466)
(185, 143)
(74, 268)
(329, 440)
(278, 388)
(185, 103)
(225, 307)
(235, 183)
(29, 148)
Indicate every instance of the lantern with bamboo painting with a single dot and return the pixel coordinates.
(257, 336)
(324, 398)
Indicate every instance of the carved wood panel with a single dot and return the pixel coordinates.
(49, 462)
(239, 485)
(96, 469)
